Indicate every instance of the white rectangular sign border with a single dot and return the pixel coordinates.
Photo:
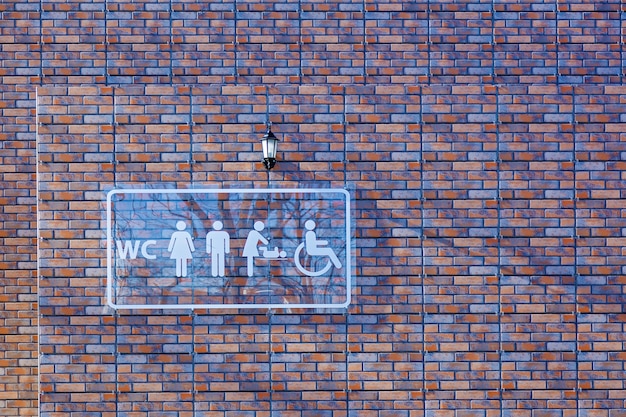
(270, 306)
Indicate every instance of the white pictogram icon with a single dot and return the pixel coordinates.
(180, 248)
(218, 245)
(315, 247)
(272, 254)
(251, 248)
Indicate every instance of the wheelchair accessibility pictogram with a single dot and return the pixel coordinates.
(315, 247)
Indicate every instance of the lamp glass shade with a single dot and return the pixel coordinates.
(269, 143)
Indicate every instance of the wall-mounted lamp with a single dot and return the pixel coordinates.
(270, 144)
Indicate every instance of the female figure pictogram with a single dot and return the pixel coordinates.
(180, 248)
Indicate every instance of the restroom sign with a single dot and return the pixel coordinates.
(224, 248)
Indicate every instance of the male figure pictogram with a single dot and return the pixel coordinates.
(218, 245)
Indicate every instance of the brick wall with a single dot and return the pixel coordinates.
(18, 279)
(482, 144)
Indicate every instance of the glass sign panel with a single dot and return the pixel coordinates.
(222, 248)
